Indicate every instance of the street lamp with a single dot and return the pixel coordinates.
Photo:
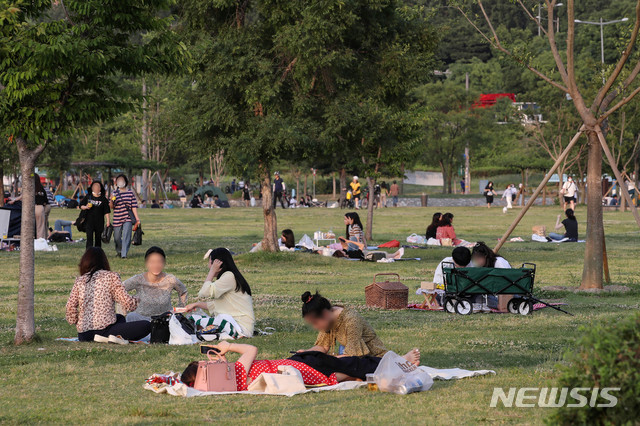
(602, 24)
(540, 18)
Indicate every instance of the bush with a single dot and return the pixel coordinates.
(608, 355)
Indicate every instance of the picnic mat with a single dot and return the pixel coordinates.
(167, 383)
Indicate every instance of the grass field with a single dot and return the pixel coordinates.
(57, 382)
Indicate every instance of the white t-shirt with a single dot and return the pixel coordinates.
(502, 263)
(438, 276)
(224, 299)
(570, 189)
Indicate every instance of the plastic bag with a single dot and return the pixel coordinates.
(306, 242)
(178, 336)
(397, 375)
(416, 239)
(433, 242)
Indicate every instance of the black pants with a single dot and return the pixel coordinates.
(278, 196)
(94, 234)
(352, 366)
(135, 330)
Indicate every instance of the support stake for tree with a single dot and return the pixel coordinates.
(618, 175)
(538, 190)
(605, 260)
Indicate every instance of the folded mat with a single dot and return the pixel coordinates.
(167, 383)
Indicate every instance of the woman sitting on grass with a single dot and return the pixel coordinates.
(445, 230)
(341, 325)
(287, 240)
(91, 303)
(433, 228)
(570, 225)
(328, 371)
(355, 240)
(154, 287)
(229, 296)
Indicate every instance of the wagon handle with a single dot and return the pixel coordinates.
(531, 265)
(385, 273)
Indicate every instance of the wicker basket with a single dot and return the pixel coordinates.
(387, 294)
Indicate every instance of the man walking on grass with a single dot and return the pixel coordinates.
(278, 190)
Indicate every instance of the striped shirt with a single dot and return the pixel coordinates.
(356, 231)
(123, 202)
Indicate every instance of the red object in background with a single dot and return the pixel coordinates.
(390, 244)
(489, 99)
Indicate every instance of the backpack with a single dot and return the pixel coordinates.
(374, 256)
(160, 328)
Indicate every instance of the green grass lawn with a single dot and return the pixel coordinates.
(57, 382)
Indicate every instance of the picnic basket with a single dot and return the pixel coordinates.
(387, 294)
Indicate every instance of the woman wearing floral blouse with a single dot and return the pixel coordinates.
(91, 305)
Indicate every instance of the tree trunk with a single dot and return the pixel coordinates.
(1, 184)
(25, 318)
(305, 185)
(592, 270)
(368, 234)
(343, 184)
(270, 239)
(401, 179)
(444, 177)
(144, 149)
(333, 178)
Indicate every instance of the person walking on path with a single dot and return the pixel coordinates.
(569, 191)
(489, 193)
(394, 191)
(97, 207)
(125, 216)
(355, 191)
(278, 190)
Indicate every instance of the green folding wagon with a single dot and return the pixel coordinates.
(462, 284)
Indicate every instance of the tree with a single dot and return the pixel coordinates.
(614, 94)
(61, 66)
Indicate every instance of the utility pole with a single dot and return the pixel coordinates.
(467, 170)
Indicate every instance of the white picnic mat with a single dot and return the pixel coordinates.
(180, 389)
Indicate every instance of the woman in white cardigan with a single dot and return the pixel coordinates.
(228, 297)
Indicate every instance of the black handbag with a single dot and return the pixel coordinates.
(137, 236)
(160, 328)
(81, 221)
(106, 234)
(187, 324)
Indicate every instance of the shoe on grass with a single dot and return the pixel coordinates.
(118, 340)
(100, 339)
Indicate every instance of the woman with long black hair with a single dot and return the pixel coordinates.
(354, 233)
(570, 225)
(433, 228)
(228, 294)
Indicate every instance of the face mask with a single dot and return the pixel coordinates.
(121, 184)
(96, 194)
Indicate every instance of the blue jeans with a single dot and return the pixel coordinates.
(395, 201)
(556, 237)
(122, 237)
(63, 226)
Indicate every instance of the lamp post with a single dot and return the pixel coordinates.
(601, 24)
(540, 18)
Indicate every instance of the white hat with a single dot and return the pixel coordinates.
(355, 177)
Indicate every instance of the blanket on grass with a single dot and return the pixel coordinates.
(170, 384)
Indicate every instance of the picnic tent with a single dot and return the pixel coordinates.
(212, 190)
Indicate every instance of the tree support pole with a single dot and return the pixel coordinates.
(616, 172)
(605, 260)
(538, 190)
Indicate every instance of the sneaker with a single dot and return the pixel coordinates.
(100, 339)
(477, 307)
(117, 340)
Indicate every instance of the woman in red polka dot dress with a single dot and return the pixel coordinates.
(248, 363)
(335, 369)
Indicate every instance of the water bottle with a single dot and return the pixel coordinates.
(412, 384)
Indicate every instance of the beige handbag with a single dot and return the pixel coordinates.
(287, 381)
(215, 375)
(540, 230)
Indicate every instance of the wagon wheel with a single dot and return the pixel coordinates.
(525, 307)
(449, 305)
(464, 307)
(513, 304)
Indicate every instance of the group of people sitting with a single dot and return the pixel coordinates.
(347, 348)
(480, 256)
(442, 230)
(91, 305)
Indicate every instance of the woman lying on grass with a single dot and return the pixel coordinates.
(326, 370)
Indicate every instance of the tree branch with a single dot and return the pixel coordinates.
(497, 45)
(619, 105)
(533, 18)
(621, 62)
(551, 36)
